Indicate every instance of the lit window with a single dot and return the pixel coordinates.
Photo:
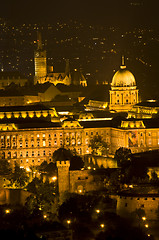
(60, 134)
(43, 135)
(2, 137)
(73, 141)
(27, 160)
(38, 136)
(44, 143)
(8, 137)
(55, 142)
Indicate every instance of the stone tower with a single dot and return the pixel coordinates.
(63, 178)
(63, 163)
(40, 61)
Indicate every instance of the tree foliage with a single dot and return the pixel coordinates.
(122, 156)
(5, 168)
(43, 195)
(99, 146)
(18, 177)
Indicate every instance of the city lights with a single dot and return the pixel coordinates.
(102, 225)
(7, 211)
(97, 211)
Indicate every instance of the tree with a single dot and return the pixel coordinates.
(5, 168)
(122, 156)
(19, 177)
(43, 195)
(98, 146)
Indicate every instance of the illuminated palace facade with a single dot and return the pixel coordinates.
(31, 141)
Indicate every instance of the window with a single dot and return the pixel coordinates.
(32, 144)
(149, 134)
(43, 135)
(38, 144)
(44, 153)
(55, 135)
(21, 154)
(38, 136)
(61, 142)
(26, 144)
(86, 133)
(49, 135)
(55, 142)
(32, 160)
(91, 133)
(32, 153)
(49, 144)
(44, 143)
(49, 153)
(27, 160)
(38, 153)
(73, 141)
(26, 153)
(2, 137)
(60, 134)
(141, 134)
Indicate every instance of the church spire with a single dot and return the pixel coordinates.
(39, 41)
(123, 62)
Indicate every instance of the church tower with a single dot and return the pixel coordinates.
(124, 92)
(40, 61)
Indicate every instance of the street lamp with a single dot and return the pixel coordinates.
(144, 218)
(97, 211)
(102, 225)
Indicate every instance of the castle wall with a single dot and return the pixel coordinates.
(126, 205)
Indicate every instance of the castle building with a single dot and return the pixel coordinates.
(124, 92)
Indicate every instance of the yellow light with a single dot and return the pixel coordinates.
(54, 178)
(68, 221)
(89, 167)
(7, 211)
(97, 211)
(45, 216)
(146, 225)
(102, 225)
(148, 235)
(80, 191)
(143, 218)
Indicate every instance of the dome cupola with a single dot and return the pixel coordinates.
(123, 77)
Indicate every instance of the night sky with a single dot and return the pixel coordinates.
(120, 12)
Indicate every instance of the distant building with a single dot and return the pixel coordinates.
(146, 109)
(6, 78)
